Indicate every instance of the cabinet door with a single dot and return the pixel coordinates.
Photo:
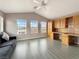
(57, 23)
(63, 23)
(70, 24)
(50, 29)
(76, 24)
(49, 26)
(65, 39)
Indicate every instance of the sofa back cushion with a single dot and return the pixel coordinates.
(5, 36)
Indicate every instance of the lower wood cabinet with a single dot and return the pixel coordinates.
(69, 39)
(64, 39)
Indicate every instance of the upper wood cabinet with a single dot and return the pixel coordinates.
(57, 23)
(49, 26)
(69, 22)
(63, 23)
(60, 23)
(76, 23)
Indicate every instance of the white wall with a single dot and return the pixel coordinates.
(11, 27)
(2, 14)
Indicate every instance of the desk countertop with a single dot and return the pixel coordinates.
(72, 34)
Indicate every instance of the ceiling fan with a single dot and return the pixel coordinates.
(40, 4)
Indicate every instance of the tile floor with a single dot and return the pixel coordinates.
(44, 49)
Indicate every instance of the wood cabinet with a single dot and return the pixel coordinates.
(50, 29)
(49, 26)
(64, 25)
(61, 23)
(76, 24)
(64, 39)
(69, 39)
(57, 23)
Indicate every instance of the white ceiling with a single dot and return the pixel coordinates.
(54, 8)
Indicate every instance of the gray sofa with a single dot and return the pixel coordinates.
(7, 47)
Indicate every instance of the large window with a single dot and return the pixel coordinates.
(1, 24)
(34, 26)
(43, 27)
(21, 26)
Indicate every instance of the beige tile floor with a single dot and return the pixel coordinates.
(44, 49)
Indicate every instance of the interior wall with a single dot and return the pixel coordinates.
(11, 26)
(2, 14)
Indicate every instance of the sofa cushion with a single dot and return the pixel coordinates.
(5, 36)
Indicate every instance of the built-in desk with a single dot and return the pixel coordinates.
(66, 38)
(69, 38)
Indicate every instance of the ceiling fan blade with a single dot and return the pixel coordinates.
(36, 1)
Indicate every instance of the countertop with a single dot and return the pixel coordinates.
(72, 34)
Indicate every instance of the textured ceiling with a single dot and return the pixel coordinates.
(54, 8)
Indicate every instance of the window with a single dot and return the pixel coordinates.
(34, 26)
(1, 24)
(43, 27)
(22, 26)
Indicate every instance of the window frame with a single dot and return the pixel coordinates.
(19, 26)
(42, 22)
(1, 24)
(37, 25)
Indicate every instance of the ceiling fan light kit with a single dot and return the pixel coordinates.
(36, 1)
(41, 3)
